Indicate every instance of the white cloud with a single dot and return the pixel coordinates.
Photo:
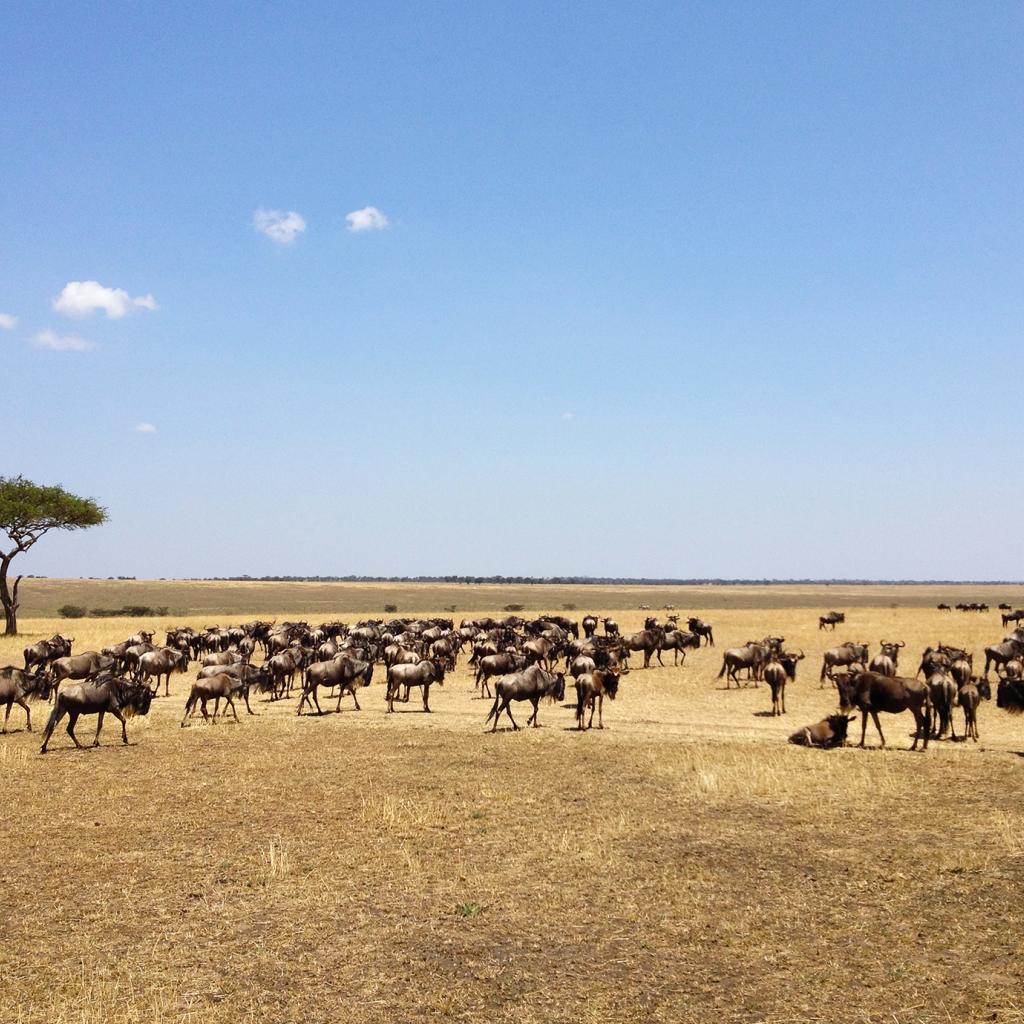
(8, 322)
(81, 298)
(283, 228)
(62, 342)
(369, 218)
(144, 428)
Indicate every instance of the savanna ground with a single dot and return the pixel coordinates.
(685, 864)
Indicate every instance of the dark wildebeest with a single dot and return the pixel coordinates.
(932, 660)
(999, 654)
(121, 697)
(531, 685)
(751, 656)
(42, 653)
(18, 687)
(844, 654)
(828, 733)
(702, 629)
(541, 651)
(502, 664)
(591, 688)
(589, 625)
(942, 697)
(888, 658)
(161, 663)
(345, 673)
(677, 641)
(611, 627)
(831, 619)
(970, 695)
(944, 608)
(775, 676)
(424, 674)
(216, 687)
(1009, 617)
(871, 693)
(1010, 695)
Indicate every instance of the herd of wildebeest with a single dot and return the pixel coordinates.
(513, 659)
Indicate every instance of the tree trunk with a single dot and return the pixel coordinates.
(10, 600)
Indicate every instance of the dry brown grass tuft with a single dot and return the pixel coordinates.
(684, 865)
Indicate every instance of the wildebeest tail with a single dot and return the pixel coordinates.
(494, 707)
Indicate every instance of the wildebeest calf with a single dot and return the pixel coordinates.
(829, 732)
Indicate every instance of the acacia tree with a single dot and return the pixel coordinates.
(27, 511)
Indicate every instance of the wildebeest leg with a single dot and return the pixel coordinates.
(507, 708)
(124, 728)
(202, 708)
(878, 726)
(536, 707)
(72, 718)
(7, 714)
(426, 698)
(316, 700)
(593, 708)
(99, 725)
(245, 697)
(231, 704)
(55, 716)
(863, 726)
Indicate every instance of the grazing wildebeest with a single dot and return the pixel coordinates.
(944, 608)
(589, 625)
(1009, 617)
(591, 689)
(42, 653)
(828, 733)
(1000, 654)
(871, 693)
(751, 656)
(611, 627)
(345, 673)
(18, 687)
(702, 629)
(161, 663)
(502, 664)
(844, 654)
(424, 674)
(831, 620)
(942, 695)
(79, 666)
(970, 695)
(221, 685)
(114, 694)
(530, 685)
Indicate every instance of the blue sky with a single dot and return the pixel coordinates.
(655, 289)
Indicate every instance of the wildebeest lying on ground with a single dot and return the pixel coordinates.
(220, 686)
(120, 697)
(531, 685)
(424, 674)
(591, 688)
(347, 674)
(829, 732)
(18, 687)
(871, 693)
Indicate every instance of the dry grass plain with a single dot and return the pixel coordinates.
(685, 864)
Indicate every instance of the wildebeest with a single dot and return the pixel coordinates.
(161, 663)
(611, 627)
(871, 693)
(775, 676)
(79, 666)
(1009, 617)
(702, 629)
(18, 687)
(114, 694)
(345, 673)
(944, 608)
(828, 733)
(647, 640)
(942, 693)
(591, 688)
(220, 686)
(677, 641)
(589, 625)
(970, 695)
(532, 684)
(751, 656)
(502, 664)
(831, 620)
(42, 653)
(424, 674)
(999, 654)
(844, 654)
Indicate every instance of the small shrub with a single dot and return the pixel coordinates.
(72, 611)
(513, 608)
(468, 909)
(391, 608)
(568, 607)
(449, 608)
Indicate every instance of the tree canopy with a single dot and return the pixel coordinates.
(28, 510)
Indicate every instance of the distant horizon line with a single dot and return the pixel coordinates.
(498, 580)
